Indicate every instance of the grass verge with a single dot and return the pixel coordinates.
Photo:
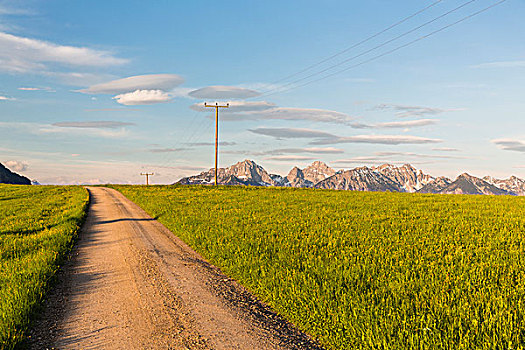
(38, 225)
(361, 270)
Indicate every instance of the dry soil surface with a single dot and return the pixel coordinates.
(131, 284)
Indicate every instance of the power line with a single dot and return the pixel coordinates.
(358, 44)
(370, 50)
(393, 50)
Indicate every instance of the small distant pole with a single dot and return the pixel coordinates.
(216, 106)
(147, 177)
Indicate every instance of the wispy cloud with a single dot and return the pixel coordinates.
(324, 138)
(124, 109)
(47, 129)
(101, 124)
(164, 82)
(501, 64)
(46, 89)
(510, 145)
(377, 139)
(224, 143)
(283, 113)
(238, 106)
(394, 157)
(77, 78)
(166, 150)
(404, 111)
(143, 97)
(445, 149)
(292, 133)
(14, 11)
(5, 98)
(415, 155)
(395, 125)
(223, 92)
(290, 158)
(21, 55)
(313, 150)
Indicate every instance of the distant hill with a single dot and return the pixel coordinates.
(9, 177)
(383, 178)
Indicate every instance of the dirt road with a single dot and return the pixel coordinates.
(131, 284)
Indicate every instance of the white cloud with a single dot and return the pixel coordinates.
(510, 145)
(143, 97)
(291, 133)
(102, 124)
(5, 98)
(377, 139)
(223, 92)
(501, 64)
(20, 54)
(16, 165)
(164, 82)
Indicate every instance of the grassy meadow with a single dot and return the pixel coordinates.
(38, 225)
(361, 270)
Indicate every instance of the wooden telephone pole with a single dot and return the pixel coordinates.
(147, 177)
(216, 106)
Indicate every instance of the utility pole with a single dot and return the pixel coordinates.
(216, 106)
(147, 177)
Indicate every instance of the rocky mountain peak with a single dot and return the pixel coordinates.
(317, 171)
(410, 179)
(513, 184)
(295, 172)
(468, 184)
(360, 179)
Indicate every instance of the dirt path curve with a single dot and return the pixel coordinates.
(131, 284)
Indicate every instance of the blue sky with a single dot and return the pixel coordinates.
(100, 91)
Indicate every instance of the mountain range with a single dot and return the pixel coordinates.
(386, 177)
(9, 177)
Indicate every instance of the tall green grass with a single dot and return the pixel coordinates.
(363, 270)
(38, 225)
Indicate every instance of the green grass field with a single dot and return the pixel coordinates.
(38, 225)
(363, 270)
